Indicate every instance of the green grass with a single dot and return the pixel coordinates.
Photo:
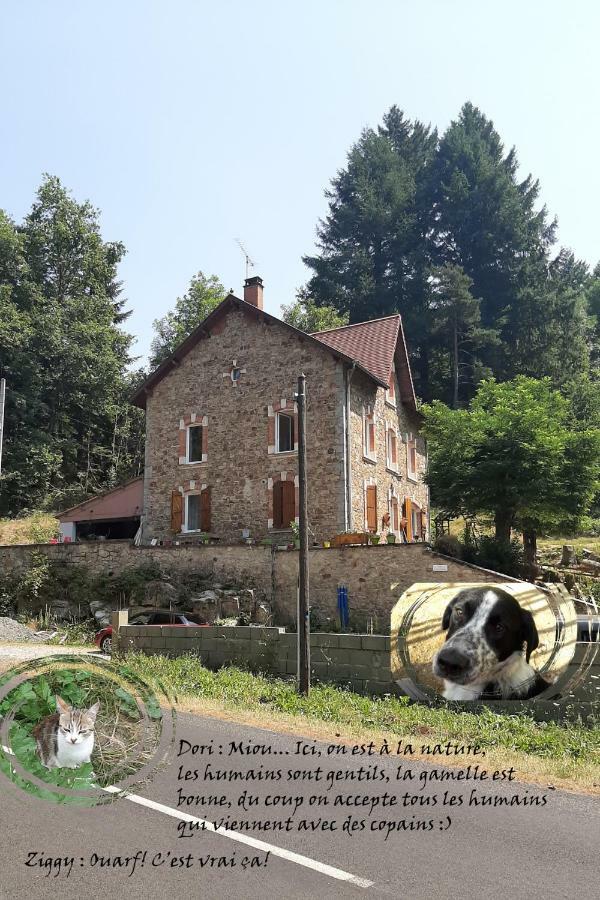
(37, 528)
(238, 689)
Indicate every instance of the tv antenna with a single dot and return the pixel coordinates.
(249, 262)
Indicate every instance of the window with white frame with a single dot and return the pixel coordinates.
(369, 447)
(284, 432)
(391, 448)
(411, 457)
(194, 444)
(192, 512)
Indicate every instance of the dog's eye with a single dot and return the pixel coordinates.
(499, 628)
(459, 613)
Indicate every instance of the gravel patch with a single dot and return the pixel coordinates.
(10, 630)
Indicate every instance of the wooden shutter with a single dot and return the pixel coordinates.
(395, 522)
(176, 511)
(288, 502)
(394, 453)
(371, 432)
(277, 505)
(408, 517)
(205, 510)
(371, 508)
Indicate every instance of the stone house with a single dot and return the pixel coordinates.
(221, 430)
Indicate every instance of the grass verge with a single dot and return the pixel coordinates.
(566, 755)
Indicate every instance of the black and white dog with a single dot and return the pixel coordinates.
(486, 654)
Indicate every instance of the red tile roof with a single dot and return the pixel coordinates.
(375, 345)
(372, 344)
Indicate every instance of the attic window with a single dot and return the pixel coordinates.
(390, 394)
(234, 373)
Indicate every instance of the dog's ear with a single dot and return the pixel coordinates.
(529, 632)
(448, 614)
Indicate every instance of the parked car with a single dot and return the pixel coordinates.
(103, 638)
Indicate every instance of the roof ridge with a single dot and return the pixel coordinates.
(356, 324)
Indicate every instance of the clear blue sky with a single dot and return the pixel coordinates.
(191, 123)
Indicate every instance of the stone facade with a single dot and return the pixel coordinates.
(240, 466)
(373, 468)
(233, 383)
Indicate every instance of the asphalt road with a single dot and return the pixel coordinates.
(546, 851)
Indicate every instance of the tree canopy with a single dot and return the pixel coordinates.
(69, 428)
(409, 203)
(521, 452)
(203, 295)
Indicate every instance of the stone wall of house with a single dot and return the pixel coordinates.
(239, 469)
(365, 471)
(375, 576)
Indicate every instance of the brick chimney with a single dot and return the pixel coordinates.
(253, 291)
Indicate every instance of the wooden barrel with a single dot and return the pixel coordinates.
(416, 631)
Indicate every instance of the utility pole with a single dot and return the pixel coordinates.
(303, 586)
(2, 400)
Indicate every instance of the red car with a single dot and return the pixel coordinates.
(157, 617)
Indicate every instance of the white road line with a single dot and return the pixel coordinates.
(289, 855)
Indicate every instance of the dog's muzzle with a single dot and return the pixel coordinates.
(452, 664)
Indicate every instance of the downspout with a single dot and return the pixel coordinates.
(347, 454)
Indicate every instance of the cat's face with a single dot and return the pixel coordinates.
(75, 725)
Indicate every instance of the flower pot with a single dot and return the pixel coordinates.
(391, 538)
(326, 544)
(374, 539)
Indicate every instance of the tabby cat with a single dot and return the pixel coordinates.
(66, 738)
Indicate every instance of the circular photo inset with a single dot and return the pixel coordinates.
(78, 731)
(477, 641)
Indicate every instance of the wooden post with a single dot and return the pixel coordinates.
(303, 592)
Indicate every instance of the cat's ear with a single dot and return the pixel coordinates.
(93, 711)
(62, 707)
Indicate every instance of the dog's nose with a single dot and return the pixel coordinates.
(452, 662)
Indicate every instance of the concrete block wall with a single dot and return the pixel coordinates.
(361, 662)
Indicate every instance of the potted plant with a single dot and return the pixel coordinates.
(295, 528)
(391, 537)
(374, 539)
(326, 544)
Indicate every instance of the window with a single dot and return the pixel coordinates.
(369, 434)
(192, 517)
(194, 443)
(236, 374)
(371, 507)
(411, 457)
(392, 449)
(284, 504)
(197, 511)
(284, 439)
(193, 439)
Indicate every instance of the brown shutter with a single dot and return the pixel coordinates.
(372, 508)
(394, 451)
(395, 522)
(205, 510)
(278, 504)
(408, 517)
(288, 503)
(176, 511)
(371, 427)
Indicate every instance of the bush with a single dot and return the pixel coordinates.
(449, 545)
(497, 555)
